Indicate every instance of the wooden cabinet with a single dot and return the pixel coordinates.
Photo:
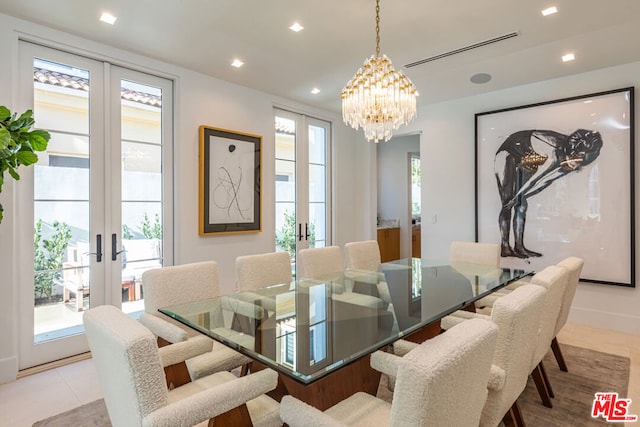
(389, 243)
(415, 242)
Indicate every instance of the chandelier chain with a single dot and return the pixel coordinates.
(377, 28)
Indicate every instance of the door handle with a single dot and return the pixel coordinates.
(114, 251)
(306, 231)
(299, 231)
(98, 252)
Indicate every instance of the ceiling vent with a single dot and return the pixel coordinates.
(463, 49)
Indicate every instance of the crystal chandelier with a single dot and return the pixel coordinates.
(378, 98)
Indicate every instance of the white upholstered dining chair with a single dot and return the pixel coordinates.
(574, 265)
(258, 271)
(517, 316)
(443, 382)
(319, 262)
(475, 253)
(129, 366)
(554, 279)
(557, 279)
(364, 255)
(183, 284)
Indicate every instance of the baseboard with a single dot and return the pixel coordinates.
(54, 365)
(8, 369)
(605, 320)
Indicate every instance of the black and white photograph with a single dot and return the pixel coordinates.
(556, 178)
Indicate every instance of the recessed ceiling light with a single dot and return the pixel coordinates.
(296, 27)
(108, 18)
(315, 91)
(568, 57)
(550, 11)
(237, 63)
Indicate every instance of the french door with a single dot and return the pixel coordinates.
(96, 209)
(302, 182)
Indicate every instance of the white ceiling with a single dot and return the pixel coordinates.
(205, 35)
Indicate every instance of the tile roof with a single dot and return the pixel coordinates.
(55, 78)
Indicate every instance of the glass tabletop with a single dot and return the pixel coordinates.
(308, 328)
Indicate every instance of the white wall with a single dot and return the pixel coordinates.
(393, 184)
(447, 155)
(199, 100)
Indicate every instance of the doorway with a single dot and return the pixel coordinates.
(303, 190)
(394, 176)
(98, 203)
(415, 176)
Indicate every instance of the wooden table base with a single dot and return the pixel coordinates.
(333, 388)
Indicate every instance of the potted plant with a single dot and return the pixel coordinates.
(18, 143)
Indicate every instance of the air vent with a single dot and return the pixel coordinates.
(463, 49)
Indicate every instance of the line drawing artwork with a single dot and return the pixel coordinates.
(231, 183)
(527, 163)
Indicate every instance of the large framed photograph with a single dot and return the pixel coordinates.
(230, 182)
(556, 179)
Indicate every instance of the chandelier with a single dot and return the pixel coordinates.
(378, 98)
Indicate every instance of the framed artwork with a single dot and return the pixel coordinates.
(556, 179)
(230, 182)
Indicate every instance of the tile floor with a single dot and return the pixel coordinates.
(38, 396)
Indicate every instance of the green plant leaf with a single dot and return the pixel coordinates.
(5, 113)
(5, 153)
(14, 174)
(1, 210)
(5, 137)
(27, 157)
(26, 120)
(39, 139)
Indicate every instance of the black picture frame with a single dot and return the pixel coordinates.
(556, 179)
(229, 182)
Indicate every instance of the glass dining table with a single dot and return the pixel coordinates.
(318, 333)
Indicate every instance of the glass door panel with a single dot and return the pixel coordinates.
(301, 210)
(61, 223)
(142, 183)
(61, 200)
(285, 200)
(318, 179)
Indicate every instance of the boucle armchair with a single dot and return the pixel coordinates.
(517, 316)
(129, 366)
(475, 253)
(261, 270)
(183, 284)
(363, 255)
(574, 266)
(258, 271)
(443, 382)
(319, 262)
(554, 279)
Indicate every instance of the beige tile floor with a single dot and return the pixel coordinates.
(35, 397)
